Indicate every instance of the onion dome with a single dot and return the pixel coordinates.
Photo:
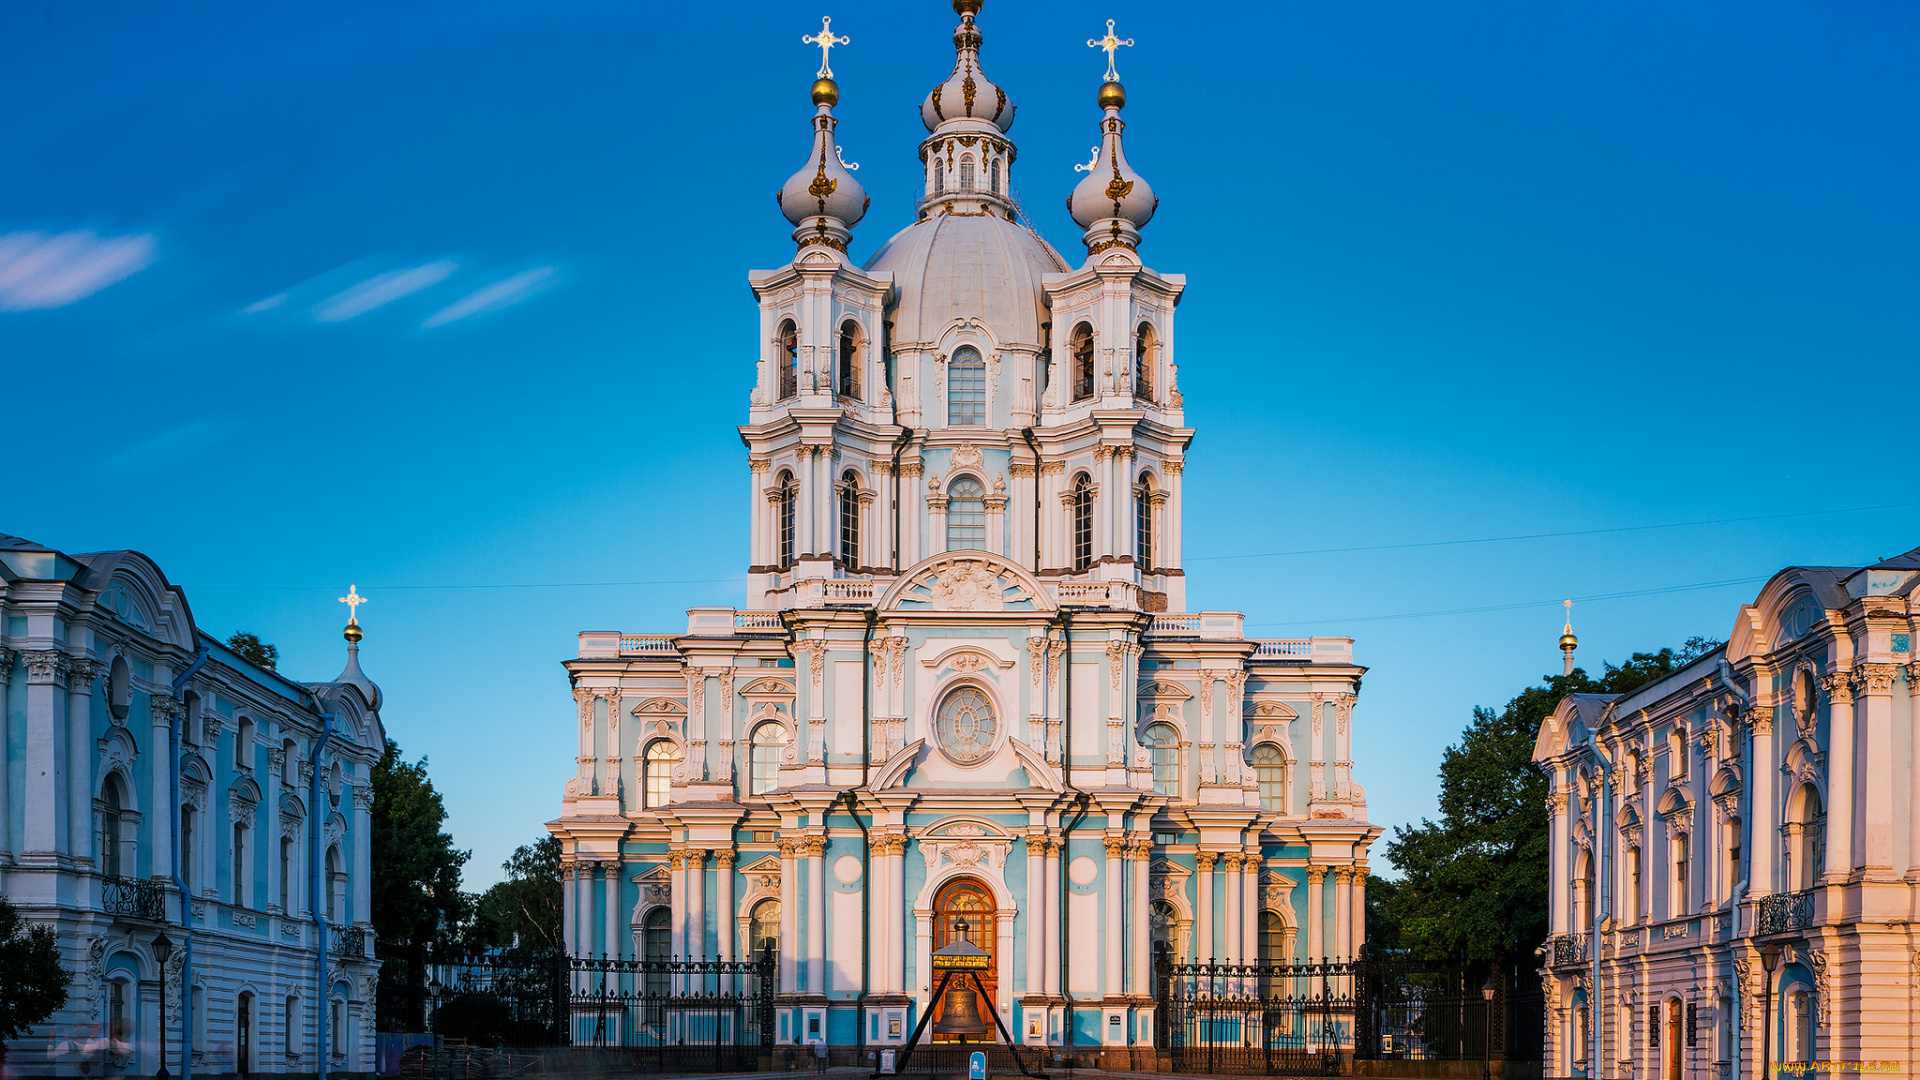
(823, 200)
(967, 94)
(352, 674)
(1113, 202)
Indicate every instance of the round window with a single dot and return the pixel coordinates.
(966, 725)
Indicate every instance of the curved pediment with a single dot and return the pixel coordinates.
(966, 581)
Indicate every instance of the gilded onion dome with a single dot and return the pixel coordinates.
(967, 94)
(823, 200)
(1113, 202)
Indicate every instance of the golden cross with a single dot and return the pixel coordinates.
(826, 40)
(353, 600)
(1568, 604)
(1110, 43)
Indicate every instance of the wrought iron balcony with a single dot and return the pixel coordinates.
(1569, 949)
(349, 941)
(1784, 911)
(134, 898)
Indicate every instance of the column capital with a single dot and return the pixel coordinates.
(724, 858)
(1204, 861)
(1839, 687)
(1316, 875)
(814, 846)
(6, 664)
(1233, 861)
(82, 672)
(788, 847)
(1143, 848)
(1760, 718)
(676, 860)
(45, 666)
(696, 858)
(1343, 875)
(1913, 676)
(1116, 846)
(1874, 680)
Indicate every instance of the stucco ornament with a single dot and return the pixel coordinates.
(966, 586)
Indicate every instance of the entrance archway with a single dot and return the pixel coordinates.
(965, 907)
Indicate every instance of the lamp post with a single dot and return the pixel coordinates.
(162, 952)
(1769, 959)
(1486, 1046)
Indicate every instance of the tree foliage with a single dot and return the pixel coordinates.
(253, 650)
(1475, 882)
(524, 910)
(33, 984)
(417, 902)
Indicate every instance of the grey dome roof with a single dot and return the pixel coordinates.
(978, 266)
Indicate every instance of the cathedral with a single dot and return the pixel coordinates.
(967, 699)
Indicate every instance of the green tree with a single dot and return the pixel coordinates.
(1474, 883)
(253, 650)
(417, 902)
(33, 984)
(524, 910)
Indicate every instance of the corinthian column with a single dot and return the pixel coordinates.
(723, 910)
(1840, 773)
(1316, 901)
(1114, 886)
(44, 831)
(1204, 951)
(1874, 682)
(1233, 861)
(1036, 920)
(789, 915)
(1765, 809)
(1343, 912)
(816, 847)
(1913, 754)
(1142, 916)
(80, 750)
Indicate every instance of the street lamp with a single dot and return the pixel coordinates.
(1769, 959)
(1486, 995)
(162, 952)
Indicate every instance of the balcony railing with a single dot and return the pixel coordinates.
(349, 941)
(1570, 949)
(1784, 911)
(134, 898)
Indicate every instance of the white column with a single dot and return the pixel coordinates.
(158, 813)
(1204, 950)
(1250, 911)
(1316, 900)
(568, 889)
(1003, 963)
(723, 859)
(363, 854)
(1874, 684)
(897, 918)
(1142, 917)
(816, 847)
(44, 828)
(1913, 753)
(1036, 907)
(1052, 917)
(923, 958)
(80, 751)
(1236, 893)
(1343, 912)
(1764, 811)
(1359, 915)
(789, 918)
(1114, 886)
(1841, 858)
(1559, 873)
(677, 938)
(697, 905)
(610, 898)
(6, 770)
(1171, 533)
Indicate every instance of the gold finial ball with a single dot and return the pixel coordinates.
(1113, 96)
(1569, 642)
(826, 92)
(352, 633)
(966, 7)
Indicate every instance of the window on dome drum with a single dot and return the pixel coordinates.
(789, 361)
(1082, 362)
(966, 174)
(1163, 747)
(1082, 522)
(993, 176)
(657, 764)
(965, 724)
(966, 515)
(769, 741)
(1270, 770)
(1143, 523)
(850, 521)
(783, 511)
(1143, 363)
(849, 371)
(966, 388)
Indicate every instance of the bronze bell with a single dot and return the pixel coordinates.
(962, 1013)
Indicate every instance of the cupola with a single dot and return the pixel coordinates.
(823, 200)
(1114, 202)
(968, 158)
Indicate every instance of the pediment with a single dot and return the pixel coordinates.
(1164, 691)
(975, 581)
(659, 707)
(1277, 711)
(768, 688)
(1162, 866)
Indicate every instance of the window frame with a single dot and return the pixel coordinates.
(1261, 767)
(649, 781)
(1080, 345)
(1163, 756)
(966, 522)
(850, 521)
(847, 372)
(1080, 527)
(966, 402)
(771, 765)
(787, 342)
(785, 515)
(1143, 523)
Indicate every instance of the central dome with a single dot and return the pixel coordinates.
(979, 266)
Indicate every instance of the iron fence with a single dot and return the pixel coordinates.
(348, 941)
(689, 1015)
(1784, 911)
(134, 897)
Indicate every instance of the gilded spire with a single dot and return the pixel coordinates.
(1114, 201)
(822, 199)
(1568, 642)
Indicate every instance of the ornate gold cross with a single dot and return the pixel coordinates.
(353, 600)
(1568, 604)
(826, 40)
(1110, 43)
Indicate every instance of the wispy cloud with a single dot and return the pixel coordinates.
(382, 289)
(168, 448)
(504, 293)
(38, 270)
(268, 304)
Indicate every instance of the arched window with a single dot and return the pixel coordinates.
(966, 174)
(789, 360)
(850, 521)
(966, 515)
(1143, 523)
(1806, 842)
(849, 367)
(243, 1034)
(1082, 522)
(111, 843)
(338, 1034)
(965, 725)
(1163, 747)
(993, 176)
(190, 726)
(1162, 920)
(1677, 753)
(290, 1025)
(966, 388)
(1082, 362)
(119, 1022)
(1270, 769)
(769, 742)
(336, 886)
(243, 745)
(1800, 1024)
(939, 174)
(660, 758)
(656, 949)
(763, 931)
(1583, 894)
(1143, 362)
(783, 513)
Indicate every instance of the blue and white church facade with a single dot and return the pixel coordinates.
(156, 785)
(967, 696)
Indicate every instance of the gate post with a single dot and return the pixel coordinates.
(562, 1021)
(1364, 1048)
(1162, 990)
(1497, 1032)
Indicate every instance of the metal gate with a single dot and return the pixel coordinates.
(685, 1015)
(1255, 1019)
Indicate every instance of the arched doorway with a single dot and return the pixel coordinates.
(1673, 1041)
(965, 907)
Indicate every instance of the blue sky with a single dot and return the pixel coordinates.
(429, 295)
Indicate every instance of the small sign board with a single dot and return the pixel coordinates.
(962, 962)
(886, 1062)
(977, 1066)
